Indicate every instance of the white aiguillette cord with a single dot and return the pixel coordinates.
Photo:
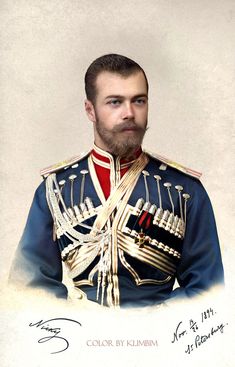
(117, 194)
(119, 191)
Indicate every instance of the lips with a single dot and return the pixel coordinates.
(130, 129)
(127, 127)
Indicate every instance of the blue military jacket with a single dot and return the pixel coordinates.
(162, 228)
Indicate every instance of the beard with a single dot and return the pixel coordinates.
(118, 142)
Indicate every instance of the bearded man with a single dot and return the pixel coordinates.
(126, 223)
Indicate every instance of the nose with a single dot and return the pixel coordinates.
(128, 112)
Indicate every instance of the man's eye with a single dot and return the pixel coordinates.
(140, 101)
(114, 102)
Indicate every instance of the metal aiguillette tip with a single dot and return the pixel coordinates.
(72, 177)
(157, 177)
(179, 188)
(167, 185)
(74, 165)
(145, 173)
(62, 182)
(163, 167)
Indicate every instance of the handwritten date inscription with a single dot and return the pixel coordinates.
(194, 327)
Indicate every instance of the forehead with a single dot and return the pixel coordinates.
(108, 83)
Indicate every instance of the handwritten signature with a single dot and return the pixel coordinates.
(54, 331)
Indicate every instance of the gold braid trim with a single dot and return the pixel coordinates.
(147, 255)
(136, 276)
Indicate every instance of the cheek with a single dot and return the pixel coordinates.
(142, 113)
(109, 117)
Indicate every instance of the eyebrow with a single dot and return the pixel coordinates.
(120, 96)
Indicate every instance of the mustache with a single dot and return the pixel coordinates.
(128, 125)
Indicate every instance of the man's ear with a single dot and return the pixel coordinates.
(90, 111)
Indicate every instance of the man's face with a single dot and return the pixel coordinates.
(120, 112)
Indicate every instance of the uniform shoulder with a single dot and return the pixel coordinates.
(168, 162)
(65, 163)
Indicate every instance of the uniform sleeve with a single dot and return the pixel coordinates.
(37, 261)
(201, 265)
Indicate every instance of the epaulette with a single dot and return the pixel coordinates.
(66, 163)
(175, 165)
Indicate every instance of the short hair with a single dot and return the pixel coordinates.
(113, 63)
